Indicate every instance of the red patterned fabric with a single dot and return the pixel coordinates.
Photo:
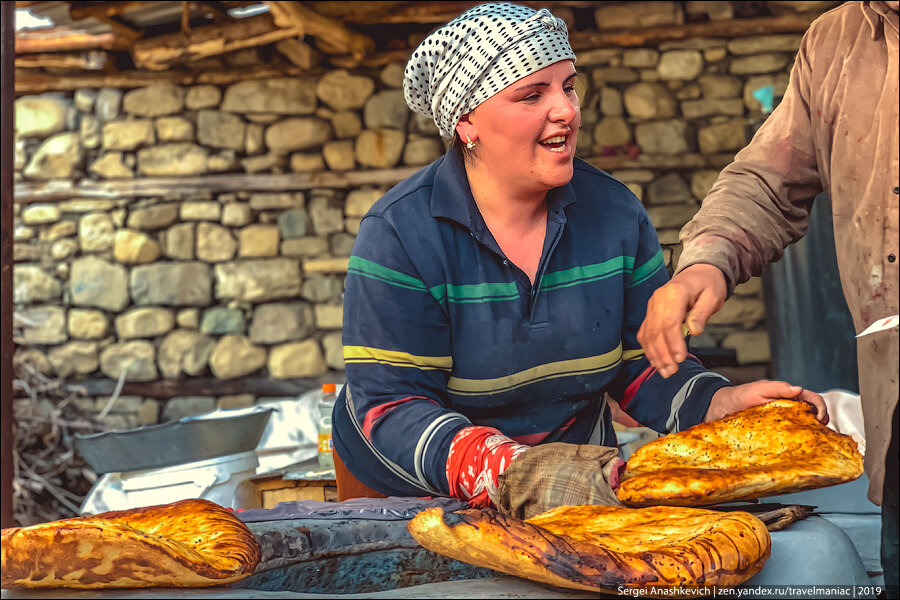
(478, 455)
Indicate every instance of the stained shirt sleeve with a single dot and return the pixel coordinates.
(397, 357)
(760, 203)
(665, 405)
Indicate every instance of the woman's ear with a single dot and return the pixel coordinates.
(466, 130)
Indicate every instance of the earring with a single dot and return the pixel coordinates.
(469, 143)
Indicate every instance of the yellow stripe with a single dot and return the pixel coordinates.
(563, 368)
(365, 354)
(633, 354)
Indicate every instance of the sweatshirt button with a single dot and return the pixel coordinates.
(892, 257)
(896, 190)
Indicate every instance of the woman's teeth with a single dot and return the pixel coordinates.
(560, 139)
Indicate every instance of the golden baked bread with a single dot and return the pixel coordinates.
(600, 548)
(770, 449)
(191, 543)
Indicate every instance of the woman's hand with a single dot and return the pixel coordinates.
(734, 398)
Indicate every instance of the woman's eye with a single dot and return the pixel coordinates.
(531, 97)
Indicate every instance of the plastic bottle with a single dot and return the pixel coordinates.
(326, 405)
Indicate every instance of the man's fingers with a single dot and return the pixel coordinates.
(818, 402)
(707, 304)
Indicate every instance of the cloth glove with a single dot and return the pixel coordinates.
(558, 474)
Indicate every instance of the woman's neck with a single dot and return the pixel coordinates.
(506, 203)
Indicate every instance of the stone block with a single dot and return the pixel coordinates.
(302, 163)
(740, 310)
(297, 133)
(342, 244)
(41, 214)
(220, 320)
(342, 91)
(42, 324)
(326, 265)
(235, 401)
(721, 86)
(304, 247)
(214, 243)
(157, 216)
(174, 129)
(758, 63)
(135, 247)
(108, 104)
(179, 241)
(111, 166)
(380, 148)
(696, 109)
(422, 151)
(329, 316)
(32, 284)
(87, 324)
(276, 201)
(326, 216)
(684, 65)
(731, 135)
(40, 116)
(702, 182)
(640, 58)
(220, 129)
(760, 44)
(202, 96)
(146, 322)
(671, 215)
(321, 289)
(154, 100)
(346, 124)
(171, 284)
(274, 323)
(148, 413)
(339, 155)
(134, 361)
(612, 131)
(236, 356)
(128, 135)
(778, 81)
(602, 76)
(58, 157)
(236, 214)
(650, 101)
(94, 282)
(334, 350)
(74, 358)
(386, 109)
(259, 241)
(282, 96)
(184, 351)
(202, 210)
(188, 318)
(669, 189)
(297, 359)
(179, 158)
(751, 287)
(638, 14)
(292, 223)
(258, 280)
(662, 137)
(392, 75)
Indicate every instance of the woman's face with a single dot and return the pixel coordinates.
(527, 132)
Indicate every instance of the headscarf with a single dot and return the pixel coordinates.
(476, 55)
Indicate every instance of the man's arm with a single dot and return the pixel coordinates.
(757, 207)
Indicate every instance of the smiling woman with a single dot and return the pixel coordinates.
(494, 297)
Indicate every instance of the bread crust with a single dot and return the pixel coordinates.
(775, 448)
(600, 548)
(190, 543)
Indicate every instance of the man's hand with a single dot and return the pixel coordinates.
(734, 398)
(693, 295)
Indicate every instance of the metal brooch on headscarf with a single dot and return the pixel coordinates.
(549, 21)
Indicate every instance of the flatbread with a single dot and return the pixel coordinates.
(600, 548)
(191, 543)
(774, 448)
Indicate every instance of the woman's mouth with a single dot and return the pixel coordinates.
(556, 143)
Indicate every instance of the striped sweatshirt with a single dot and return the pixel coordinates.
(442, 331)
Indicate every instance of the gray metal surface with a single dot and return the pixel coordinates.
(177, 442)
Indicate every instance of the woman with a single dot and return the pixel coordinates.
(494, 297)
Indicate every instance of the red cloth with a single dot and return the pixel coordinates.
(478, 455)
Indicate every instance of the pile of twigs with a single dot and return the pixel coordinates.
(50, 477)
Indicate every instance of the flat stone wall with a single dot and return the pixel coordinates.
(245, 283)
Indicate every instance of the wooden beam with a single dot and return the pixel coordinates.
(104, 15)
(7, 415)
(34, 82)
(161, 52)
(91, 60)
(107, 9)
(164, 389)
(732, 28)
(43, 42)
(331, 31)
(27, 192)
(299, 53)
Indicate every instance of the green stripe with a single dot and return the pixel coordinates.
(648, 269)
(372, 270)
(587, 273)
(476, 292)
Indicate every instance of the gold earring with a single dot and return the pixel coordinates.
(469, 143)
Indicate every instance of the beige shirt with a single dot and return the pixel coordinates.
(836, 129)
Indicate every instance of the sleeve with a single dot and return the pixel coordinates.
(396, 340)
(760, 203)
(665, 405)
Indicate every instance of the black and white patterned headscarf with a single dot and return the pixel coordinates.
(476, 55)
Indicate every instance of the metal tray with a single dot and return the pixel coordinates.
(177, 442)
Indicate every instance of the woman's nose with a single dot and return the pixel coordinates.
(564, 108)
